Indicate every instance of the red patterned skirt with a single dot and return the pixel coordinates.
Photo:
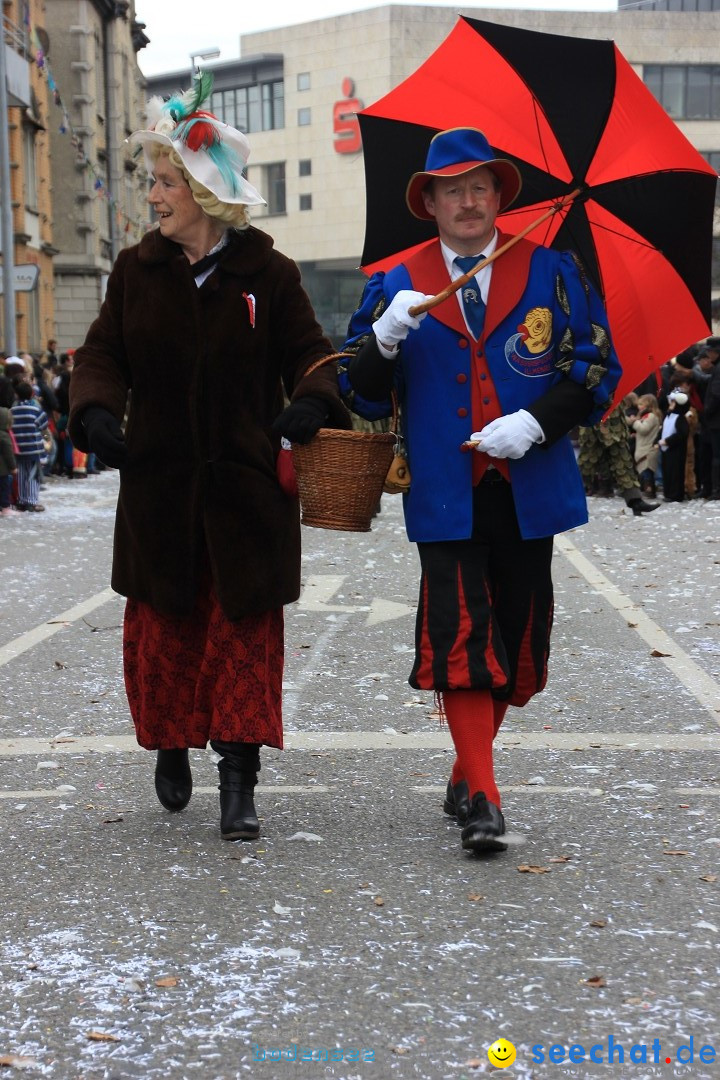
(190, 679)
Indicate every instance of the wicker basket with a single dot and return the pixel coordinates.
(340, 474)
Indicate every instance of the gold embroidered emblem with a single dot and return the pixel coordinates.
(536, 330)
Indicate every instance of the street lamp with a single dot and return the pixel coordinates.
(205, 54)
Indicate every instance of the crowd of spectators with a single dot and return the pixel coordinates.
(665, 437)
(34, 442)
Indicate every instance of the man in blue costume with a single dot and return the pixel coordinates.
(490, 382)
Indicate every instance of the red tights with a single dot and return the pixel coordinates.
(474, 719)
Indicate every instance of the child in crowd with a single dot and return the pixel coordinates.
(8, 465)
(29, 423)
(646, 426)
(673, 444)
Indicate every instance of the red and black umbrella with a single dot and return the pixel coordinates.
(572, 114)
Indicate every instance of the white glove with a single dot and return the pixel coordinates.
(509, 436)
(395, 322)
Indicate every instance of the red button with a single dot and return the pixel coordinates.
(462, 412)
(461, 377)
(463, 343)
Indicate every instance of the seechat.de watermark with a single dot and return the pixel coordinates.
(293, 1052)
(614, 1052)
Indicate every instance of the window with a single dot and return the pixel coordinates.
(304, 117)
(100, 108)
(305, 168)
(33, 320)
(686, 91)
(29, 166)
(670, 5)
(306, 202)
(303, 80)
(258, 107)
(713, 158)
(275, 187)
(254, 113)
(273, 105)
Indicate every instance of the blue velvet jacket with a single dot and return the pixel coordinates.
(544, 323)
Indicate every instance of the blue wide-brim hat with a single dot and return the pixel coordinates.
(457, 151)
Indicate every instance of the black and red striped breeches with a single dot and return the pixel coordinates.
(486, 606)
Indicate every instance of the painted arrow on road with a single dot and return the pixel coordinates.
(320, 589)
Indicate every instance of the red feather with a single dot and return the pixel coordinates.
(201, 136)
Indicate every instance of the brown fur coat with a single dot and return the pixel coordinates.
(204, 370)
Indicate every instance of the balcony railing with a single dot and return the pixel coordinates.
(17, 62)
(16, 37)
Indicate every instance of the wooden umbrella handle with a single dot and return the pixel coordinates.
(453, 287)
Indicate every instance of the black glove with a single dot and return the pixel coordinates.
(104, 435)
(302, 419)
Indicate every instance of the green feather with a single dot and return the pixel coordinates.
(181, 105)
(203, 89)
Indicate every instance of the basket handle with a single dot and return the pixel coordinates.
(339, 356)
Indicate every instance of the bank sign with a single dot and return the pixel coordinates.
(24, 278)
(346, 127)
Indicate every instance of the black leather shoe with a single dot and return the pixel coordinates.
(485, 826)
(640, 506)
(173, 779)
(457, 801)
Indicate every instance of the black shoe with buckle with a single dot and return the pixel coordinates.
(485, 826)
(457, 801)
(173, 779)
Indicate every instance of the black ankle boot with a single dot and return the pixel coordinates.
(640, 506)
(173, 779)
(238, 768)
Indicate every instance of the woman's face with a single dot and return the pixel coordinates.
(179, 215)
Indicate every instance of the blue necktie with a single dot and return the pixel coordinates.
(472, 301)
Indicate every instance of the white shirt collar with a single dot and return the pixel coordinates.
(224, 239)
(482, 277)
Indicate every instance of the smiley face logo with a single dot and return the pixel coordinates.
(501, 1054)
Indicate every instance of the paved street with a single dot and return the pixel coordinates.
(137, 944)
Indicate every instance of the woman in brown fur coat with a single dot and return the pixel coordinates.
(203, 327)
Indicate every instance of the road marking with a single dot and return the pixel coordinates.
(42, 794)
(702, 686)
(46, 630)
(324, 789)
(333, 741)
(314, 662)
(318, 592)
(262, 789)
(320, 588)
(386, 611)
(542, 789)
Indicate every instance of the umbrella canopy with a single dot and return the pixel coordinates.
(571, 113)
